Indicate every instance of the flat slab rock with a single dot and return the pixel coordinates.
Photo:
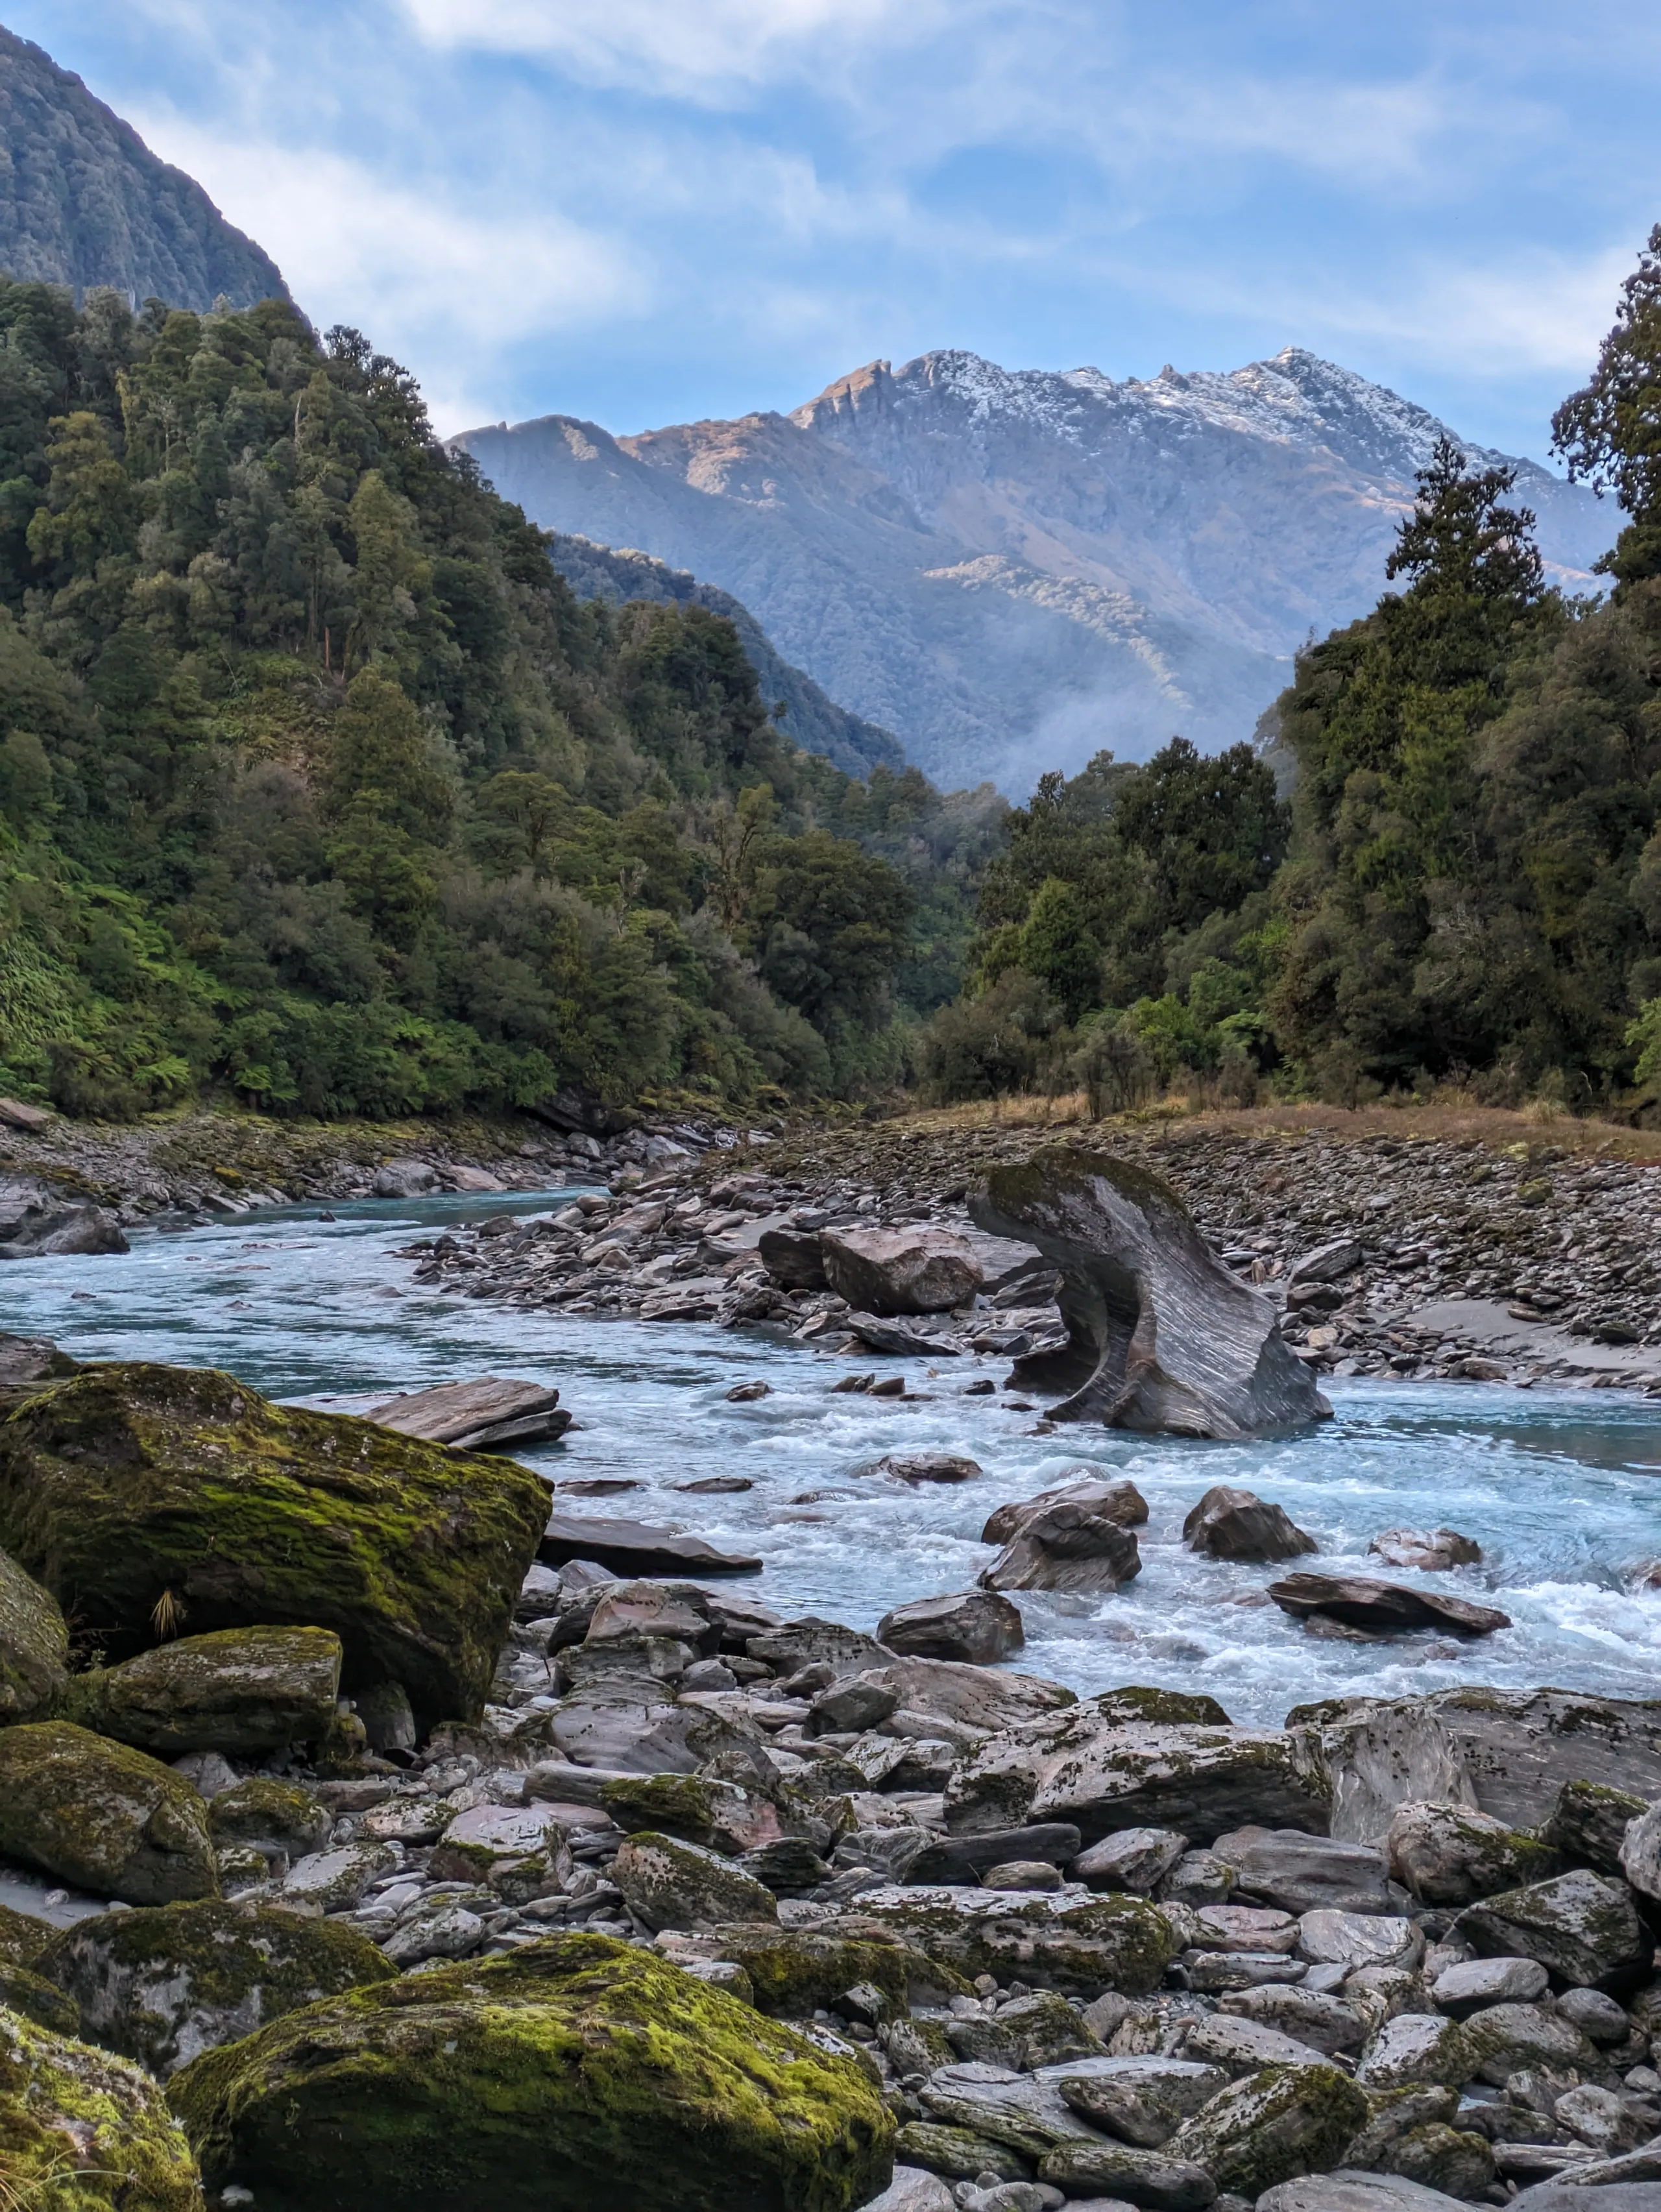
(1384, 1606)
(636, 1547)
(478, 1416)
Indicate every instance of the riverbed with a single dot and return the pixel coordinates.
(1562, 1489)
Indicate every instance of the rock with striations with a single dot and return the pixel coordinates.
(103, 1816)
(1080, 1537)
(1385, 1608)
(1161, 1337)
(1088, 1766)
(1272, 2127)
(888, 1271)
(979, 1697)
(1449, 1854)
(133, 1492)
(576, 2071)
(978, 1627)
(164, 1984)
(34, 1644)
(238, 1690)
(636, 1547)
(1580, 1926)
(1130, 1858)
(1236, 1524)
(1640, 1852)
(666, 1883)
(491, 1414)
(1302, 1872)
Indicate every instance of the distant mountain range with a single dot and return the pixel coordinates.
(1010, 569)
(83, 202)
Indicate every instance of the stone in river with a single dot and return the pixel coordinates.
(896, 1337)
(102, 1816)
(118, 1486)
(1361, 1603)
(487, 1415)
(1236, 1524)
(1161, 1337)
(1430, 1549)
(976, 1626)
(34, 1644)
(899, 1271)
(928, 1466)
(1580, 1926)
(1078, 1538)
(636, 1547)
(237, 1690)
(1449, 1854)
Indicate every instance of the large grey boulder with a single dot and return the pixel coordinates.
(1475, 1984)
(1142, 2100)
(1080, 1537)
(984, 1698)
(1272, 2126)
(914, 2190)
(34, 1644)
(1580, 1926)
(978, 1627)
(1345, 2191)
(899, 1271)
(1640, 1852)
(1103, 1774)
(1161, 1337)
(1449, 1853)
(1433, 1551)
(1589, 1823)
(1302, 1872)
(1237, 1524)
(666, 1883)
(37, 1221)
(1129, 1858)
(1509, 1753)
(1324, 2022)
(107, 1818)
(237, 1690)
(1118, 2173)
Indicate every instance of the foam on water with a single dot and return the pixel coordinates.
(1562, 1490)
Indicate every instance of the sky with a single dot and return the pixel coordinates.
(650, 211)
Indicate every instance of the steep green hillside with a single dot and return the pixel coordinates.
(319, 786)
(83, 202)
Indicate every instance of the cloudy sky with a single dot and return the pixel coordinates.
(642, 212)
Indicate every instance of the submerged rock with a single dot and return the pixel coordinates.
(86, 2132)
(1432, 1549)
(101, 1815)
(135, 1491)
(163, 1986)
(1161, 1337)
(34, 1644)
(576, 2072)
(236, 1690)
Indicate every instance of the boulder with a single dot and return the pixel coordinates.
(37, 1221)
(1130, 1858)
(573, 2072)
(1325, 2023)
(1080, 1537)
(968, 1696)
(334, 1881)
(1359, 1939)
(914, 2189)
(790, 1645)
(1581, 1927)
(1101, 1774)
(959, 2153)
(162, 1985)
(1345, 2191)
(1588, 1825)
(666, 1883)
(793, 1258)
(695, 1808)
(25, 1359)
(636, 1547)
(1236, 1524)
(277, 1818)
(518, 1850)
(132, 1490)
(1449, 1853)
(927, 1467)
(1302, 1872)
(1141, 2100)
(1475, 1984)
(102, 1816)
(1640, 1852)
(23, 1990)
(1508, 1752)
(1272, 2126)
(237, 1690)
(1161, 1337)
(86, 2131)
(899, 1271)
(34, 1647)
(897, 1337)
(631, 1726)
(405, 1179)
(976, 1626)
(1431, 1550)
(1386, 1608)
(794, 1972)
(1597, 2015)
(1243, 2047)
(491, 1414)
(1119, 2174)
(1509, 2038)
(1068, 1939)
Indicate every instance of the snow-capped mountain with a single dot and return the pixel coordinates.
(1012, 568)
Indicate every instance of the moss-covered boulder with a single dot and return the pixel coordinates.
(1284, 2121)
(1581, 1928)
(235, 1690)
(278, 1817)
(131, 1487)
(35, 1645)
(576, 2072)
(959, 2153)
(669, 1884)
(37, 1999)
(102, 1816)
(164, 1986)
(22, 1937)
(796, 1972)
(83, 2132)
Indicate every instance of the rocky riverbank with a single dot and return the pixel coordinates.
(373, 1819)
(1411, 1256)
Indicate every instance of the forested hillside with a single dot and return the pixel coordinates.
(83, 202)
(1466, 885)
(319, 788)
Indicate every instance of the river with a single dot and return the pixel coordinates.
(1562, 1490)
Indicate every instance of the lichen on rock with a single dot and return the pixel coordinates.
(235, 1690)
(83, 2131)
(102, 1816)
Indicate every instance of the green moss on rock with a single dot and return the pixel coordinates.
(131, 1485)
(796, 1972)
(35, 1646)
(101, 1815)
(680, 1805)
(83, 2132)
(1073, 1941)
(235, 1690)
(163, 1986)
(272, 1816)
(1278, 2123)
(1160, 1708)
(575, 2073)
(958, 2153)
(22, 1937)
(39, 2000)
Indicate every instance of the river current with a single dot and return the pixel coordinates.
(1561, 1489)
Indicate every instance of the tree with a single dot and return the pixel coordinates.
(1056, 947)
(1609, 431)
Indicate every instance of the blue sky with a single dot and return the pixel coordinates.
(642, 212)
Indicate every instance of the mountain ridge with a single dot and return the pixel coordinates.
(1012, 568)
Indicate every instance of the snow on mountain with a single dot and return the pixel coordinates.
(1011, 568)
